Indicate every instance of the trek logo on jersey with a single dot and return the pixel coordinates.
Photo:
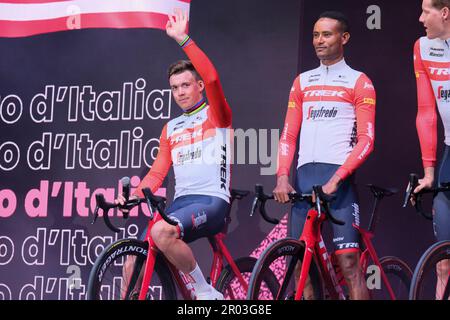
(187, 136)
(443, 94)
(322, 113)
(324, 93)
(439, 71)
(223, 168)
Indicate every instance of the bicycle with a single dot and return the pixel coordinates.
(134, 269)
(319, 271)
(425, 280)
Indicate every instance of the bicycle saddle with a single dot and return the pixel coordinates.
(239, 194)
(380, 192)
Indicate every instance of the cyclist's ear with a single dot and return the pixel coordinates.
(345, 38)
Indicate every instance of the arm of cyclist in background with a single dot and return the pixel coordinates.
(282, 189)
(426, 121)
(365, 102)
(220, 112)
(288, 143)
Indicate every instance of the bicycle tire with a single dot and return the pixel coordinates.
(290, 251)
(423, 285)
(106, 279)
(399, 275)
(230, 286)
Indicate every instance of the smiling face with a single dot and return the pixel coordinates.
(329, 40)
(434, 20)
(186, 89)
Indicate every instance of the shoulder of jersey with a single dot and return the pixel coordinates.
(430, 49)
(346, 77)
(310, 76)
(175, 123)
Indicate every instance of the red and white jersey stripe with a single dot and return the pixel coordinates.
(21, 18)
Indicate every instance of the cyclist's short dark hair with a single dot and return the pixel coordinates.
(181, 66)
(439, 4)
(339, 16)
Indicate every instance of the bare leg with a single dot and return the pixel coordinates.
(443, 274)
(174, 249)
(351, 270)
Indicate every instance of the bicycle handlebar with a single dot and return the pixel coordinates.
(417, 197)
(261, 199)
(322, 198)
(151, 200)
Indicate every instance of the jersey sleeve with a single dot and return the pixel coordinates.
(291, 129)
(160, 167)
(220, 112)
(365, 101)
(426, 120)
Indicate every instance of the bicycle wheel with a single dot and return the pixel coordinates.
(398, 275)
(232, 289)
(118, 271)
(281, 258)
(426, 284)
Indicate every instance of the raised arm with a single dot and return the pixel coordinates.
(220, 112)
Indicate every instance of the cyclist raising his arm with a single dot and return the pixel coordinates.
(432, 68)
(197, 145)
(333, 108)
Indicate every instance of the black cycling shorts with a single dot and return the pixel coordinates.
(344, 207)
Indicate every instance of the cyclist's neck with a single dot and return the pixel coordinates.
(445, 36)
(195, 108)
(329, 63)
(335, 67)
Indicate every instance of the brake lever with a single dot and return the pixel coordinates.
(326, 199)
(254, 206)
(412, 184)
(99, 199)
(95, 214)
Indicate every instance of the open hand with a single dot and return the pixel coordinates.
(177, 25)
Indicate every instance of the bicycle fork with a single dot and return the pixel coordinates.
(307, 257)
(330, 277)
(315, 246)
